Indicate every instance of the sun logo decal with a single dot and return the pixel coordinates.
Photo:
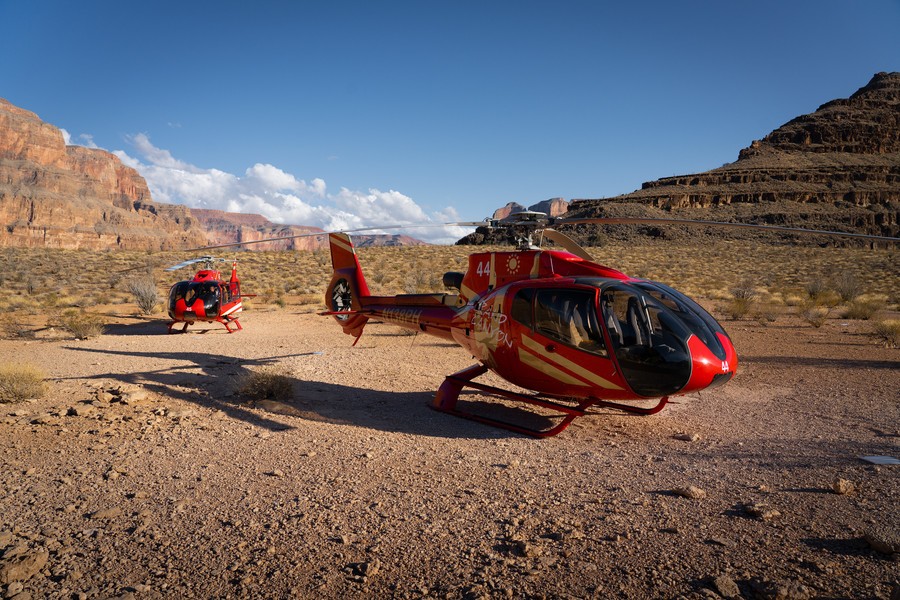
(512, 264)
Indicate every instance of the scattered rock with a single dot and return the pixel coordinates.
(883, 540)
(107, 513)
(726, 587)
(81, 410)
(688, 437)
(843, 487)
(692, 492)
(23, 566)
(762, 511)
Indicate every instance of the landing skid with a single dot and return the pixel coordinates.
(448, 394)
(226, 321)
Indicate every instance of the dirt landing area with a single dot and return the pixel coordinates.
(144, 474)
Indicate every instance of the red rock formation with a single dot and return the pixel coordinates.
(74, 197)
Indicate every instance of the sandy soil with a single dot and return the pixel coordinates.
(142, 474)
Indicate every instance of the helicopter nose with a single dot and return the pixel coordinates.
(707, 369)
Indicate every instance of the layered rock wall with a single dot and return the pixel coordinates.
(74, 197)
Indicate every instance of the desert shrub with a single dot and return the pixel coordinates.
(274, 383)
(765, 314)
(862, 309)
(13, 328)
(743, 297)
(814, 314)
(82, 324)
(846, 285)
(145, 294)
(816, 289)
(20, 382)
(888, 332)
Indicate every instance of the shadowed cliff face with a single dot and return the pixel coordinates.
(836, 168)
(75, 197)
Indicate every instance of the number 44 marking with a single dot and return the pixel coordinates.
(484, 268)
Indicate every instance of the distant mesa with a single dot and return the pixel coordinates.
(837, 168)
(554, 207)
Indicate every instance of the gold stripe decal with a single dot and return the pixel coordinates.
(541, 365)
(567, 364)
(342, 245)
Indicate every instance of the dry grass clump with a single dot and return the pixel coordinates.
(862, 309)
(743, 297)
(847, 286)
(814, 314)
(273, 383)
(20, 382)
(82, 324)
(888, 332)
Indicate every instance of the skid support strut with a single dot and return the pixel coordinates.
(448, 394)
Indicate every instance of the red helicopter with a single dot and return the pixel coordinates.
(206, 297)
(575, 333)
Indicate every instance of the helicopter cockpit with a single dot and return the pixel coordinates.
(648, 326)
(190, 291)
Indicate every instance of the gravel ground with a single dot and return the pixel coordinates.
(144, 474)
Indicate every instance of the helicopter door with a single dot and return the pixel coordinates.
(558, 335)
(648, 340)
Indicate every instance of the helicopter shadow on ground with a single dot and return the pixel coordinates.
(408, 412)
(400, 412)
(212, 388)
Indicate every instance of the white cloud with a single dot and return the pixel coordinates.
(281, 197)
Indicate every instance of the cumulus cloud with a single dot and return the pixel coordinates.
(281, 197)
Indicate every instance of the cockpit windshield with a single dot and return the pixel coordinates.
(190, 292)
(691, 314)
(649, 340)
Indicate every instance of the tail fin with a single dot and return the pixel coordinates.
(348, 287)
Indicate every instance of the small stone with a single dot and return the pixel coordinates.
(23, 566)
(726, 587)
(81, 410)
(275, 473)
(843, 487)
(134, 397)
(107, 513)
(688, 437)
(692, 492)
(883, 540)
(761, 511)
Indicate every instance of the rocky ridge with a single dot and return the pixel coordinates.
(836, 168)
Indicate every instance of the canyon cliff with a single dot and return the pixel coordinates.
(54, 195)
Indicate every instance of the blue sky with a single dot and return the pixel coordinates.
(357, 113)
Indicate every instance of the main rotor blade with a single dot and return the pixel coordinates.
(191, 261)
(652, 221)
(357, 230)
(567, 243)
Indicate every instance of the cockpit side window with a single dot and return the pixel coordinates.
(569, 316)
(521, 307)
